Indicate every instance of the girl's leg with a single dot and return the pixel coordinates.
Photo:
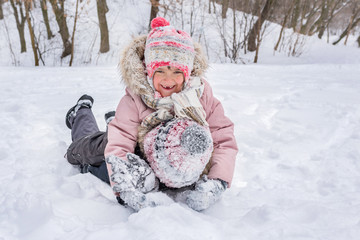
(80, 118)
(100, 172)
(83, 124)
(87, 149)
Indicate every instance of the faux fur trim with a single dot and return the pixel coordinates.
(132, 67)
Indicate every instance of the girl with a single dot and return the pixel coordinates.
(163, 72)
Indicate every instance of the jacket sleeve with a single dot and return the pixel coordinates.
(222, 132)
(122, 130)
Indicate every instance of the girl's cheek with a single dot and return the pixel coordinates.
(180, 80)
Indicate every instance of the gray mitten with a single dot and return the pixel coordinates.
(207, 192)
(133, 179)
(137, 200)
(132, 174)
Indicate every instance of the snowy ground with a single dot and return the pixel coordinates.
(297, 173)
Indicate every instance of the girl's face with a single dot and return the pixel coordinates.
(168, 80)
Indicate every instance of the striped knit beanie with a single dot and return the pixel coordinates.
(166, 46)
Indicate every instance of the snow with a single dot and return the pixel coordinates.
(297, 125)
(297, 172)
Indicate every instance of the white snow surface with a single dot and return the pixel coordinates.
(297, 174)
(297, 125)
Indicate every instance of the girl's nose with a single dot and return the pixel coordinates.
(168, 77)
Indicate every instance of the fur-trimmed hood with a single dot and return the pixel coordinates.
(132, 67)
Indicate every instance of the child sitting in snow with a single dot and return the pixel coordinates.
(168, 116)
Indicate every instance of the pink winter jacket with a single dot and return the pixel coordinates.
(123, 131)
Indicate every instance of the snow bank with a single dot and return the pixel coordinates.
(297, 172)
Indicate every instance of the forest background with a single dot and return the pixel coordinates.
(85, 32)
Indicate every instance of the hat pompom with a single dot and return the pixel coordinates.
(159, 22)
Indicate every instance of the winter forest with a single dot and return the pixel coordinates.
(286, 73)
(66, 33)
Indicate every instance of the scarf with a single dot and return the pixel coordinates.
(185, 104)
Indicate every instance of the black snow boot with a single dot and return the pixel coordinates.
(109, 116)
(85, 101)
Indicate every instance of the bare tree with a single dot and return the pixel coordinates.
(295, 14)
(197, 12)
(31, 31)
(102, 9)
(190, 14)
(73, 33)
(288, 7)
(232, 32)
(225, 6)
(354, 21)
(20, 23)
(310, 12)
(236, 36)
(310, 17)
(358, 41)
(259, 39)
(330, 9)
(255, 31)
(1, 10)
(320, 24)
(13, 55)
(59, 11)
(43, 4)
(154, 10)
(294, 44)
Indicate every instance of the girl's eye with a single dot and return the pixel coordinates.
(177, 72)
(159, 71)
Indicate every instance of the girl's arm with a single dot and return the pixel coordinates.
(222, 131)
(122, 131)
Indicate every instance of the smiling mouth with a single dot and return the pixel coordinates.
(168, 87)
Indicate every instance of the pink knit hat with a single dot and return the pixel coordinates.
(178, 151)
(166, 46)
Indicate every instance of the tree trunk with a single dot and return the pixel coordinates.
(348, 29)
(358, 41)
(46, 18)
(348, 32)
(321, 22)
(287, 14)
(257, 26)
(225, 6)
(191, 19)
(295, 15)
(73, 34)
(257, 49)
(31, 31)
(281, 32)
(20, 24)
(154, 10)
(234, 45)
(102, 9)
(214, 6)
(1, 10)
(61, 20)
